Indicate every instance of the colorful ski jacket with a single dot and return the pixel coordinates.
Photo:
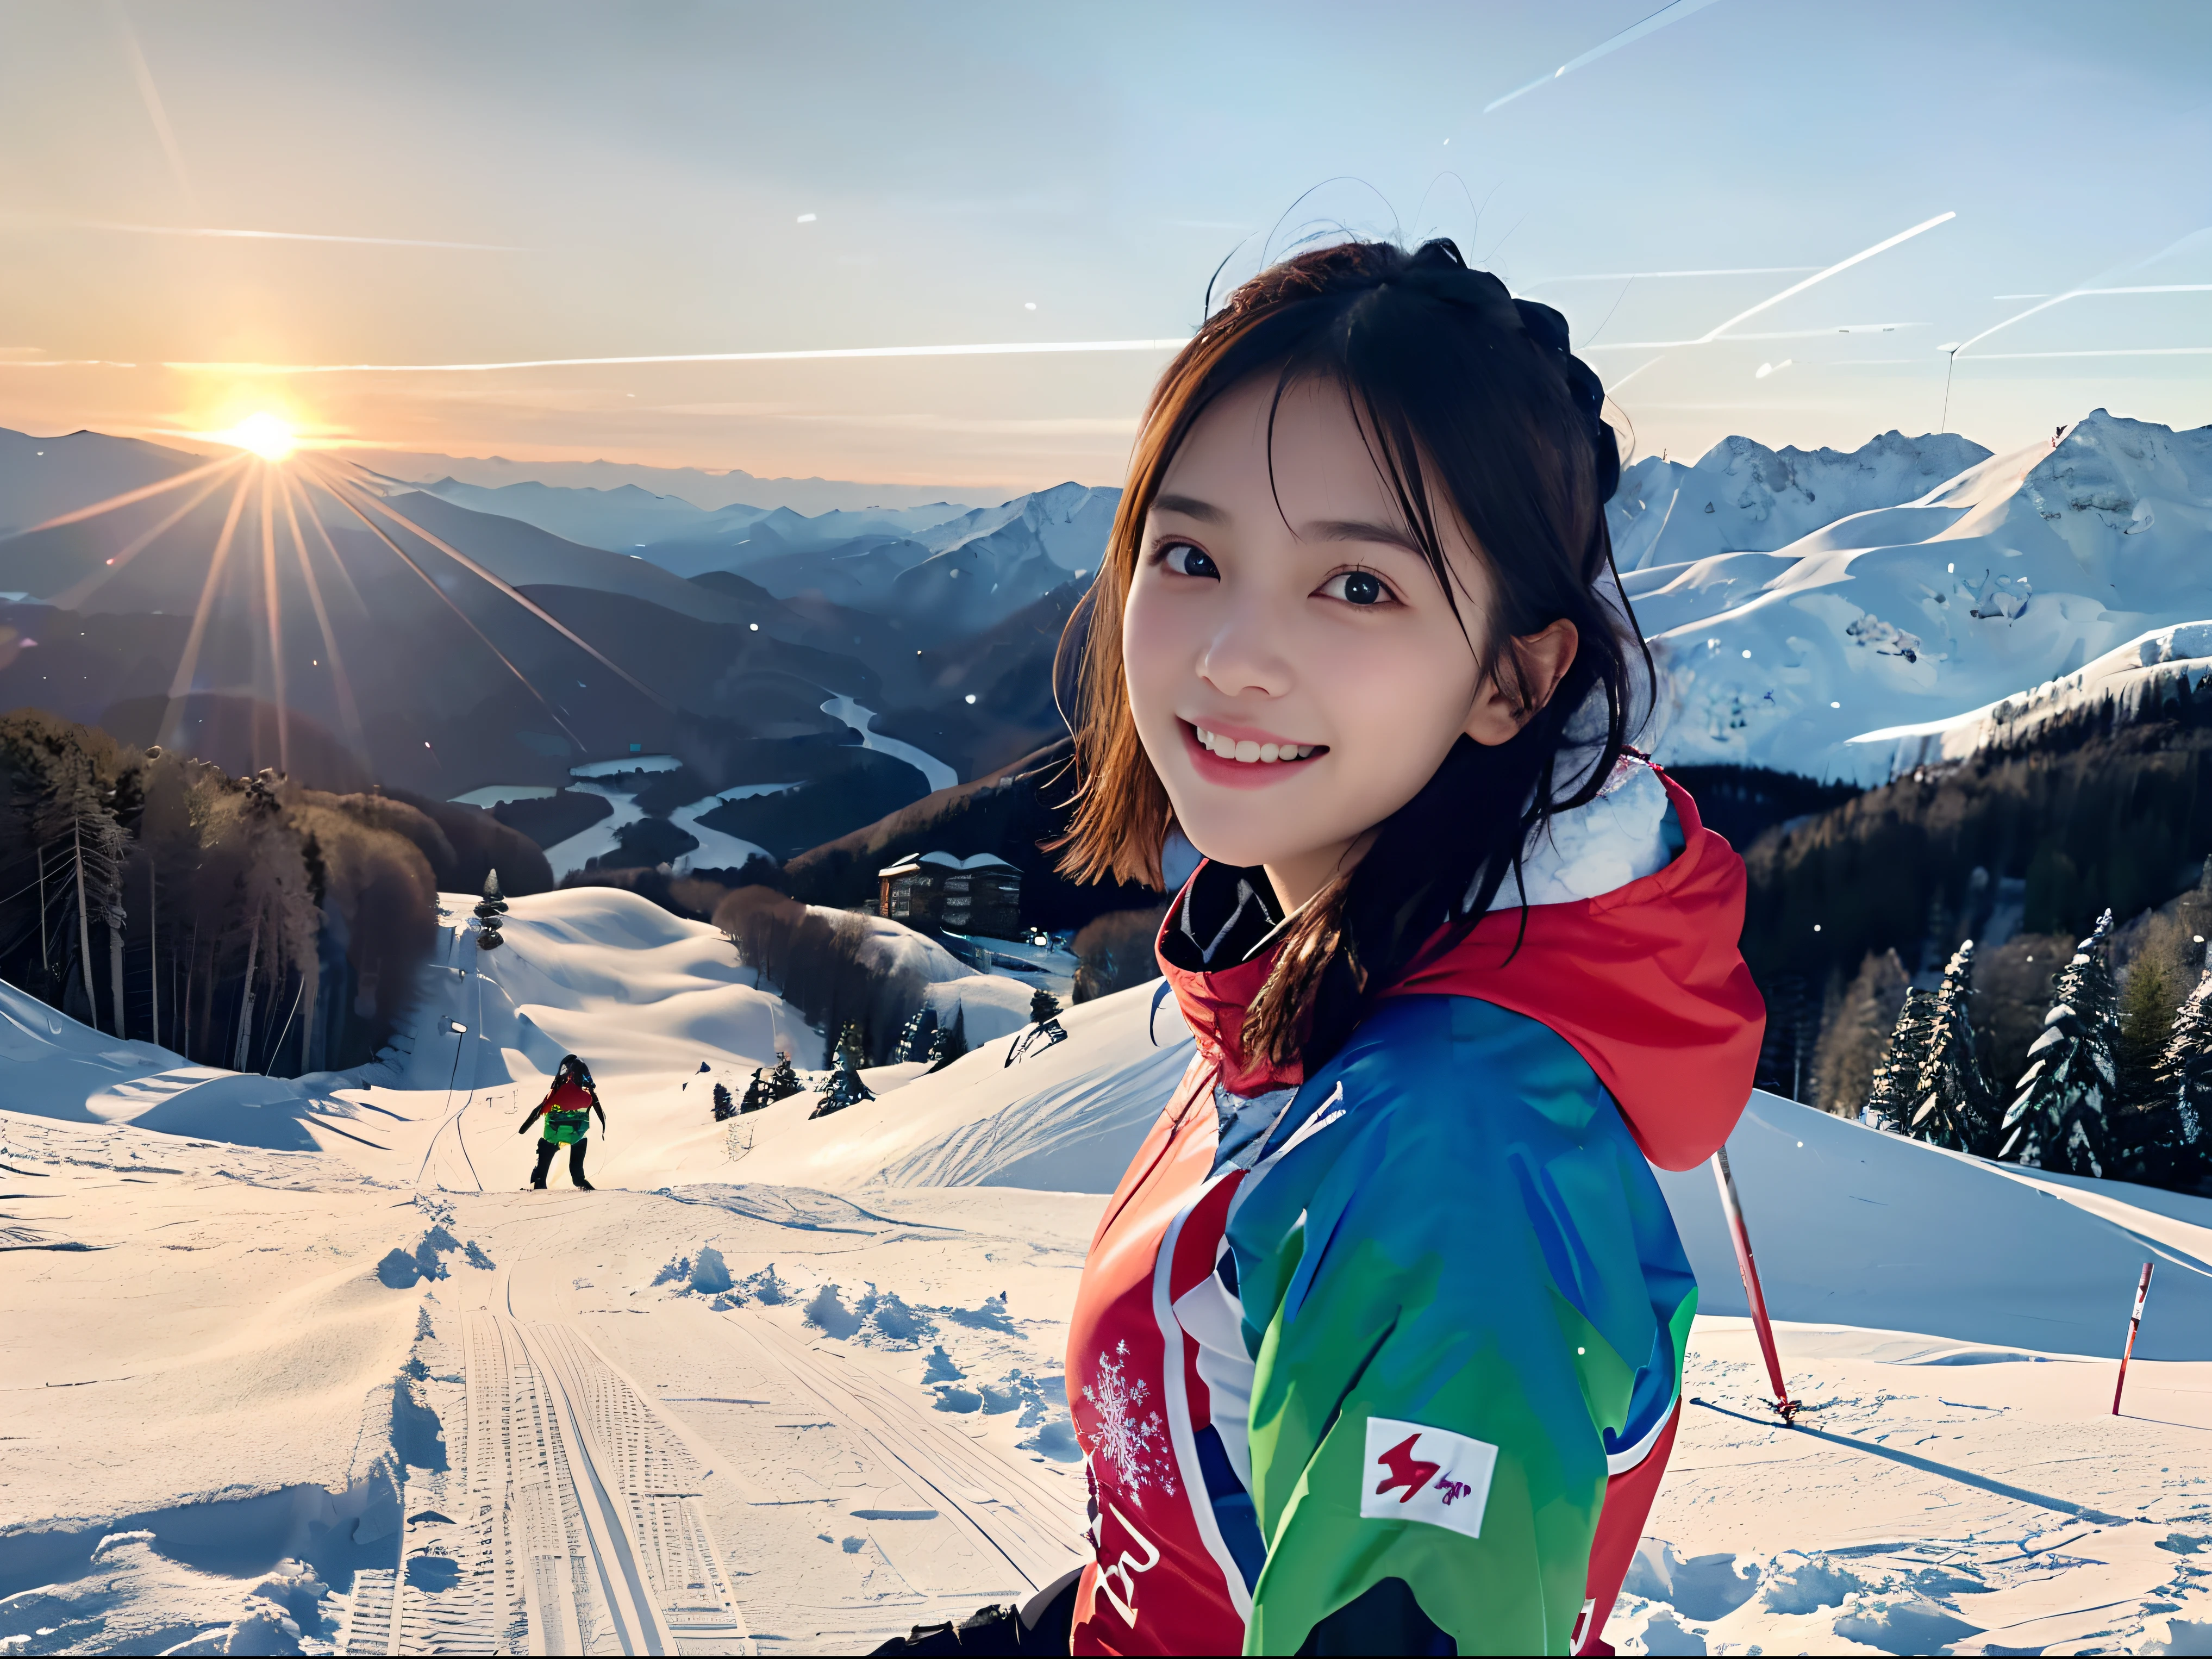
(568, 1111)
(1387, 1358)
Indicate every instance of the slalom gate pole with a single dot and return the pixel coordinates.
(1740, 1237)
(2135, 1324)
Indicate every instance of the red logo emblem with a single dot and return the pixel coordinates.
(1405, 1469)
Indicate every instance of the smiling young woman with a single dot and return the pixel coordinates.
(1379, 1343)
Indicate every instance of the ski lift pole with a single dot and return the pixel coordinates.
(2135, 1324)
(1740, 1237)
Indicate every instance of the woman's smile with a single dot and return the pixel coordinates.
(1245, 759)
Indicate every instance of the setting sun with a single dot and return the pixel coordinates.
(264, 434)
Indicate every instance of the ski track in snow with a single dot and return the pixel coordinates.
(693, 1412)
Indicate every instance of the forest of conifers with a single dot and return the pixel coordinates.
(241, 922)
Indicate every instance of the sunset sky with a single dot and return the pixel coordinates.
(482, 184)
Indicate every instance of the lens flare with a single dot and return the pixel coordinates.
(265, 434)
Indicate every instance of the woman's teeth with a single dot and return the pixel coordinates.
(1249, 751)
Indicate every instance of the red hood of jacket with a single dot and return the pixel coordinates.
(1645, 983)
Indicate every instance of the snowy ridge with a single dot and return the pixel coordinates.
(1743, 497)
(2138, 675)
(2019, 569)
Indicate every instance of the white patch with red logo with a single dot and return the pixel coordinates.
(1414, 1473)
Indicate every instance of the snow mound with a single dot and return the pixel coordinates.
(1853, 1227)
(52, 1067)
(2017, 570)
(1066, 1118)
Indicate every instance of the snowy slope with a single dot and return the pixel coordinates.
(859, 1400)
(2172, 661)
(2019, 570)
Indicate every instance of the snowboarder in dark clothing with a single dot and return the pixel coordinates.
(567, 1109)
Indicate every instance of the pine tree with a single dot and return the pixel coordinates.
(2180, 1151)
(488, 910)
(784, 1082)
(724, 1107)
(844, 1087)
(1954, 1104)
(914, 1039)
(1043, 1006)
(1854, 1038)
(2061, 1116)
(758, 1093)
(950, 1043)
(1895, 1092)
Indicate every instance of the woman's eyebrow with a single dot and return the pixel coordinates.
(1190, 507)
(1359, 530)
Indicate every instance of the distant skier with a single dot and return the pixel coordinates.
(568, 1108)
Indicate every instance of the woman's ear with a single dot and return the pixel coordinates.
(1539, 662)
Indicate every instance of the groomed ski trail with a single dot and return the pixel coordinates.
(576, 1527)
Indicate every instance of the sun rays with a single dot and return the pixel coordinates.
(279, 491)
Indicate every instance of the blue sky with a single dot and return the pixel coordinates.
(631, 180)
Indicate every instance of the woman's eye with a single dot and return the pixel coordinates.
(1186, 561)
(1356, 588)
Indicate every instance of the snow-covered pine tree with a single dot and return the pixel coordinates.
(724, 1106)
(950, 1043)
(2183, 1151)
(2060, 1117)
(913, 1037)
(1895, 1094)
(1043, 1006)
(844, 1087)
(783, 1082)
(1954, 1105)
(758, 1093)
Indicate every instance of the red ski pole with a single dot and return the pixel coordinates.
(1733, 1208)
(2135, 1324)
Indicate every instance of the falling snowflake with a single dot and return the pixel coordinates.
(1131, 1440)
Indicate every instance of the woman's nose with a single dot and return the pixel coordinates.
(1245, 652)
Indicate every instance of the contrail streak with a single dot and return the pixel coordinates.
(152, 97)
(2088, 287)
(996, 349)
(1653, 276)
(290, 236)
(2111, 351)
(1795, 289)
(1733, 339)
(1658, 19)
(138, 494)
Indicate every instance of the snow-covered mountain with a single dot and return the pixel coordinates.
(1743, 497)
(2018, 570)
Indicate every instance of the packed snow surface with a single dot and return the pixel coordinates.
(795, 1384)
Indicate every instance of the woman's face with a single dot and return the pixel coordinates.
(1295, 669)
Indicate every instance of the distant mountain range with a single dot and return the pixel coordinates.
(1797, 601)
(934, 627)
(1946, 596)
(707, 490)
